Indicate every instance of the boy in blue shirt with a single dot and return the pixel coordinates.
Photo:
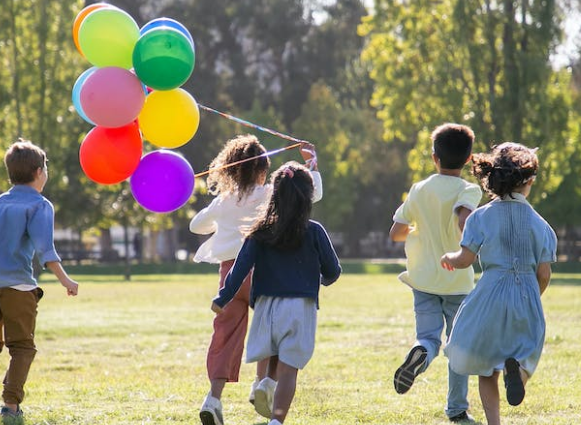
(26, 228)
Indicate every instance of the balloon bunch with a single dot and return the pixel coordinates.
(131, 93)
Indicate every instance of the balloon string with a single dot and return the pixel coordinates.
(249, 124)
(231, 164)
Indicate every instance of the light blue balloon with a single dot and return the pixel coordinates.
(77, 93)
(166, 22)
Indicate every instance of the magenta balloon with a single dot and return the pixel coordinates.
(112, 97)
(163, 181)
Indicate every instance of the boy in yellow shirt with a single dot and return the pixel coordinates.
(430, 221)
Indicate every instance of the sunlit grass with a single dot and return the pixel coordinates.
(134, 353)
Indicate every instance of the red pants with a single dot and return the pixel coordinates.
(225, 351)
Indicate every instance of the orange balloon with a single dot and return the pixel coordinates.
(81, 17)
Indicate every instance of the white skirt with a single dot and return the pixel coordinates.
(283, 327)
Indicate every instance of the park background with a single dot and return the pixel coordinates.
(365, 82)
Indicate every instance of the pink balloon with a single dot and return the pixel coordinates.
(112, 97)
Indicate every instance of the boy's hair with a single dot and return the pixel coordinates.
(22, 160)
(284, 221)
(241, 178)
(508, 167)
(452, 144)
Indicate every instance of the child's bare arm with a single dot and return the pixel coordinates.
(463, 214)
(458, 260)
(57, 268)
(399, 232)
(544, 276)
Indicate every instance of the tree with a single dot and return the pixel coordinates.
(482, 63)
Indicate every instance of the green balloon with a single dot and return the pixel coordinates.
(163, 58)
(107, 37)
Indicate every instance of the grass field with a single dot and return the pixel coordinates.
(134, 353)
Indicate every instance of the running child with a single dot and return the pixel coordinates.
(500, 326)
(291, 256)
(240, 190)
(27, 229)
(430, 221)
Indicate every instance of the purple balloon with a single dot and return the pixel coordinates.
(163, 181)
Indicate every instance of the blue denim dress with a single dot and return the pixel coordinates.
(503, 316)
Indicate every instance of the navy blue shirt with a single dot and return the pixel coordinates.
(284, 273)
(26, 227)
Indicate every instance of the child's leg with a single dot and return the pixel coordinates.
(272, 368)
(457, 400)
(490, 397)
(285, 390)
(227, 345)
(264, 392)
(429, 312)
(429, 325)
(261, 369)
(19, 315)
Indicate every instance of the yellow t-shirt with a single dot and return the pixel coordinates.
(430, 208)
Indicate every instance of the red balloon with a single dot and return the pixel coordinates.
(111, 155)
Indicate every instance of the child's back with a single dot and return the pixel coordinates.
(291, 256)
(430, 222)
(430, 209)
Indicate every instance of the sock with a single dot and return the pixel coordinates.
(274, 422)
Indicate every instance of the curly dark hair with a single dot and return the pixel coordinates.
(241, 178)
(284, 221)
(508, 167)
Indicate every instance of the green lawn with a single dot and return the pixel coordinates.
(134, 353)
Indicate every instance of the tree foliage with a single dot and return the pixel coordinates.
(478, 62)
(296, 66)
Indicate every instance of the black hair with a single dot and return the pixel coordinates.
(284, 221)
(508, 167)
(452, 144)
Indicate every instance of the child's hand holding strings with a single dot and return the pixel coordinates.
(309, 155)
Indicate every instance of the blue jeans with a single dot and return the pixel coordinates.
(432, 311)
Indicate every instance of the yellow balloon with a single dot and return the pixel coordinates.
(169, 119)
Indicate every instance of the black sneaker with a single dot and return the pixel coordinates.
(463, 417)
(10, 417)
(407, 372)
(515, 389)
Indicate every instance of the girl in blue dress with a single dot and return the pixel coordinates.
(500, 325)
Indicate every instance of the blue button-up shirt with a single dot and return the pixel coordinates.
(26, 227)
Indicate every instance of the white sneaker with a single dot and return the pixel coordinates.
(274, 422)
(253, 389)
(264, 397)
(211, 411)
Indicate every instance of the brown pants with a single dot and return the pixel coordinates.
(18, 313)
(227, 345)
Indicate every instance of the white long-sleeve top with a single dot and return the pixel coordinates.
(227, 218)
